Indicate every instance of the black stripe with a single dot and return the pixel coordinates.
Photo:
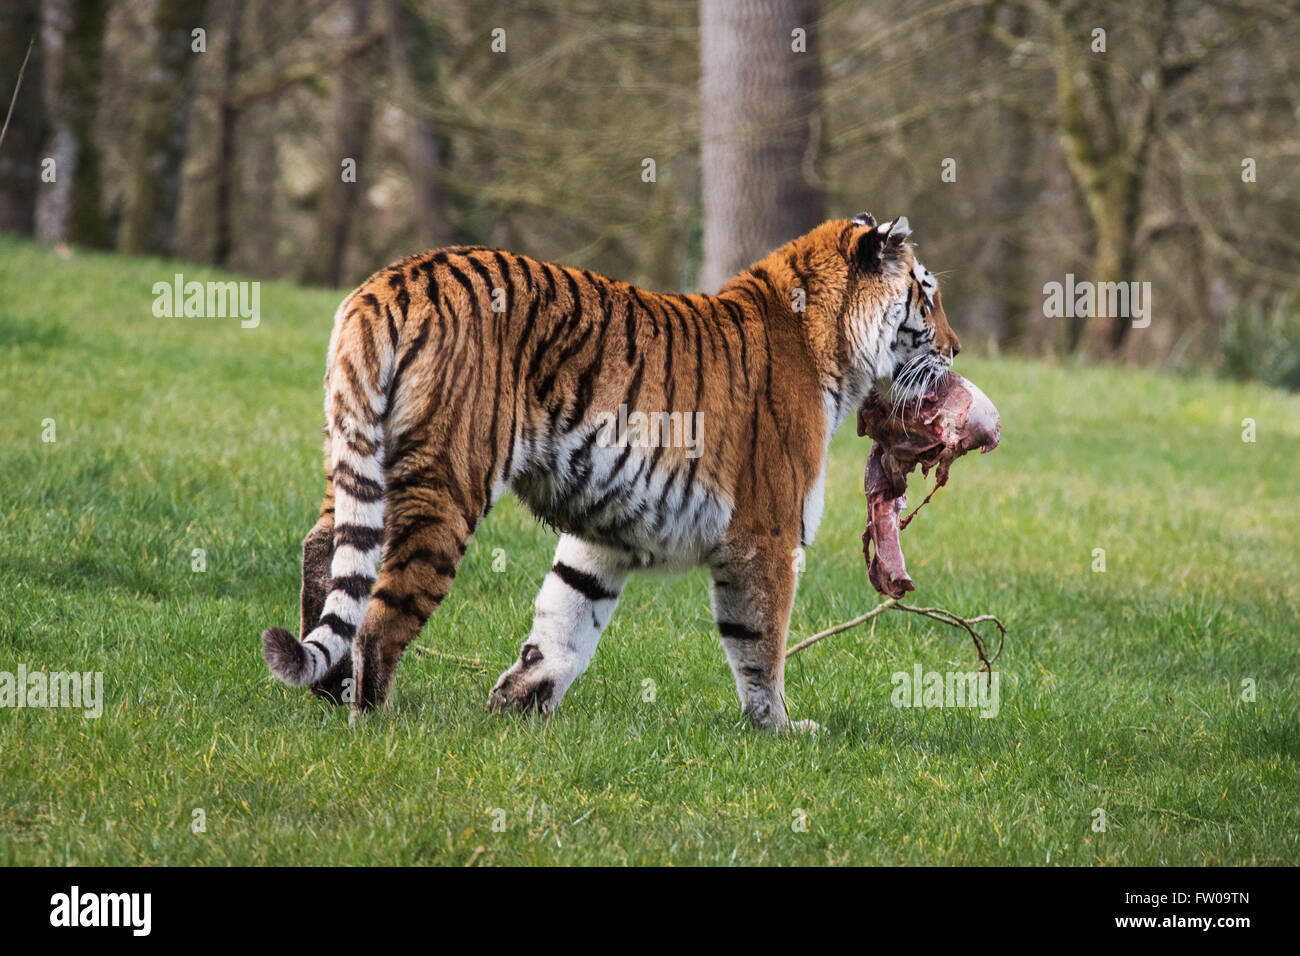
(407, 604)
(668, 353)
(587, 379)
(527, 271)
(339, 626)
(356, 486)
(489, 280)
(407, 357)
(357, 536)
(498, 334)
(431, 291)
(588, 585)
(392, 322)
(547, 384)
(504, 266)
(760, 274)
(629, 330)
(361, 412)
(442, 564)
(738, 632)
(329, 658)
(645, 307)
(466, 283)
(546, 270)
(737, 316)
(573, 293)
(355, 586)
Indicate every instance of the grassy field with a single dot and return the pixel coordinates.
(1120, 691)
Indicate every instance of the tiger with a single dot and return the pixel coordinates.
(455, 374)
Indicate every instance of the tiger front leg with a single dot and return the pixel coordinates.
(753, 592)
(575, 603)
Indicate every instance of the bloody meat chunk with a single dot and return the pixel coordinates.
(950, 419)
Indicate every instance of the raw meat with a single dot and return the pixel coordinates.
(950, 419)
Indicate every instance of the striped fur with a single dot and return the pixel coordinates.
(456, 374)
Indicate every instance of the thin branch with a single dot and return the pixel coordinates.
(475, 663)
(17, 86)
(790, 652)
(306, 71)
(935, 613)
(967, 624)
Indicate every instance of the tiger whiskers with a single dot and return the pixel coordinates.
(910, 384)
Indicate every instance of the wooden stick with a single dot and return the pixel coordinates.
(474, 664)
(17, 86)
(935, 613)
(841, 627)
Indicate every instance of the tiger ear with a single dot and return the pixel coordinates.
(882, 241)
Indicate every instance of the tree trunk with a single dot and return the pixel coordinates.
(20, 154)
(158, 130)
(411, 46)
(761, 130)
(1003, 309)
(72, 38)
(203, 215)
(1114, 260)
(346, 134)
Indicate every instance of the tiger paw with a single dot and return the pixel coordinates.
(529, 684)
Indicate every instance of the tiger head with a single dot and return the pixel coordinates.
(892, 315)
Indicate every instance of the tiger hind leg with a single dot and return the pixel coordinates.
(427, 535)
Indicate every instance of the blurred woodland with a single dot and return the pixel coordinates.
(671, 142)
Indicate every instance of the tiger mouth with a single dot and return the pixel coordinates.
(920, 379)
(912, 401)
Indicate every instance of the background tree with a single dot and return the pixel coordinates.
(19, 26)
(203, 227)
(347, 132)
(760, 129)
(72, 36)
(1019, 148)
(413, 52)
(158, 127)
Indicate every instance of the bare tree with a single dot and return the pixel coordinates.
(346, 134)
(72, 36)
(19, 22)
(158, 129)
(760, 129)
(1113, 90)
(412, 49)
(203, 228)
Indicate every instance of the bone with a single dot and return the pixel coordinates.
(952, 418)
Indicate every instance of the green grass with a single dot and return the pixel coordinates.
(1119, 690)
